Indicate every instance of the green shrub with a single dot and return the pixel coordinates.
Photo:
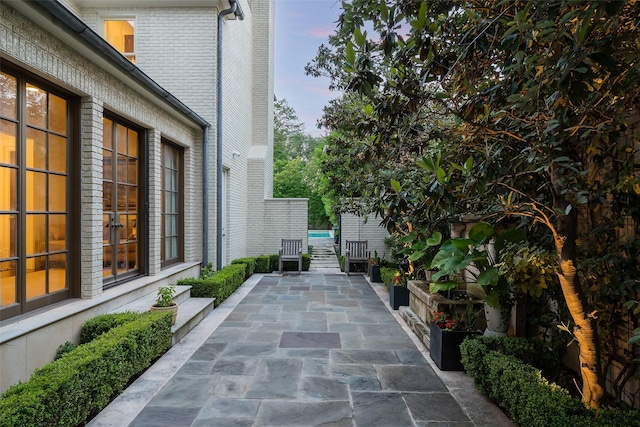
(522, 391)
(98, 325)
(219, 285)
(262, 264)
(64, 349)
(273, 262)
(387, 273)
(70, 390)
(249, 262)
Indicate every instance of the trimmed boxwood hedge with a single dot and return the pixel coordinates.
(219, 285)
(262, 264)
(98, 325)
(249, 262)
(70, 390)
(522, 391)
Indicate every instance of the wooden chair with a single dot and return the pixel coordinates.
(356, 253)
(290, 250)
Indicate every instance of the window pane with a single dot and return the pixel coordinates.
(8, 95)
(121, 140)
(36, 236)
(107, 262)
(57, 154)
(57, 272)
(8, 186)
(122, 197)
(57, 114)
(107, 196)
(8, 282)
(57, 233)
(122, 258)
(133, 143)
(8, 236)
(7, 142)
(132, 256)
(107, 133)
(133, 199)
(36, 276)
(122, 168)
(132, 227)
(132, 164)
(107, 165)
(36, 106)
(36, 149)
(120, 34)
(57, 193)
(36, 191)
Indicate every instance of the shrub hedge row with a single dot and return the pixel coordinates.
(70, 390)
(522, 391)
(98, 325)
(219, 285)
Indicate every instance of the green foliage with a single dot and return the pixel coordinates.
(165, 296)
(519, 388)
(262, 264)
(219, 285)
(273, 262)
(64, 349)
(293, 265)
(387, 273)
(68, 391)
(249, 262)
(98, 325)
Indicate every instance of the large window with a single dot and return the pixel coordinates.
(171, 235)
(35, 126)
(121, 192)
(120, 34)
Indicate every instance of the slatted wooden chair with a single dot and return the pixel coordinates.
(290, 250)
(356, 253)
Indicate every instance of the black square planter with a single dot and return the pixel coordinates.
(445, 347)
(398, 295)
(374, 273)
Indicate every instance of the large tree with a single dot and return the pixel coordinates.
(538, 101)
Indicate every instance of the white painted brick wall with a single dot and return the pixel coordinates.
(353, 227)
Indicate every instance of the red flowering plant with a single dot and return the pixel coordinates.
(396, 280)
(457, 321)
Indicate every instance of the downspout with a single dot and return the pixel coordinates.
(235, 8)
(205, 196)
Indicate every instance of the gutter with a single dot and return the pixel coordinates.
(66, 20)
(237, 11)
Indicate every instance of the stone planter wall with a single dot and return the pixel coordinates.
(422, 303)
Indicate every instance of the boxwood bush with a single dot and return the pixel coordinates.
(522, 391)
(262, 264)
(98, 325)
(219, 285)
(72, 389)
(249, 262)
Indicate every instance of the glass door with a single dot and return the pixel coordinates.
(120, 185)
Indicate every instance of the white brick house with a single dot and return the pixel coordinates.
(121, 168)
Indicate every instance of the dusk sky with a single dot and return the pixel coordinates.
(301, 26)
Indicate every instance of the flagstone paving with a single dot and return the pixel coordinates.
(301, 350)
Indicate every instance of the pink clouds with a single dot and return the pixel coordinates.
(321, 32)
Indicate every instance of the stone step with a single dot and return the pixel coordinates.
(190, 310)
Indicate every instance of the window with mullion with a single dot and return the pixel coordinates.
(171, 205)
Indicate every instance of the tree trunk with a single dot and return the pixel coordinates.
(585, 330)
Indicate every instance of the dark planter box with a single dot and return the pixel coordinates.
(398, 295)
(374, 273)
(445, 347)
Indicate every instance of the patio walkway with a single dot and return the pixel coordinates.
(308, 350)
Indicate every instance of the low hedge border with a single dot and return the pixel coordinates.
(70, 390)
(521, 390)
(249, 262)
(219, 285)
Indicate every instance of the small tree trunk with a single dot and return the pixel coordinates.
(585, 330)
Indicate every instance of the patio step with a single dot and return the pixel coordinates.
(190, 310)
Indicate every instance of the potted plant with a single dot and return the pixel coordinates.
(374, 268)
(447, 332)
(164, 301)
(475, 257)
(398, 292)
